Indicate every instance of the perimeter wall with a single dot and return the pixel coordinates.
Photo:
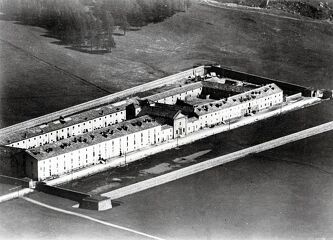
(168, 177)
(288, 88)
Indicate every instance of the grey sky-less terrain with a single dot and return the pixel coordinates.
(284, 193)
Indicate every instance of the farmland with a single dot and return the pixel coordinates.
(283, 193)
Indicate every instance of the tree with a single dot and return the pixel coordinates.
(99, 36)
(107, 22)
(124, 24)
(110, 43)
(91, 30)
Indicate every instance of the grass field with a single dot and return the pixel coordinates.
(272, 195)
(279, 48)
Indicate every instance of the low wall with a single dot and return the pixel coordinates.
(103, 100)
(287, 87)
(294, 96)
(96, 203)
(62, 192)
(16, 181)
(86, 201)
(168, 177)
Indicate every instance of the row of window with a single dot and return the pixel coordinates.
(66, 132)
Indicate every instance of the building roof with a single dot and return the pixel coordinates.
(205, 108)
(227, 87)
(195, 101)
(166, 126)
(167, 111)
(192, 119)
(174, 91)
(65, 122)
(92, 138)
(159, 111)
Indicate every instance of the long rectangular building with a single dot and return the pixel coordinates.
(74, 153)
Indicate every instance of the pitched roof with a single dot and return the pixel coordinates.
(159, 111)
(226, 87)
(205, 108)
(63, 123)
(92, 138)
(175, 91)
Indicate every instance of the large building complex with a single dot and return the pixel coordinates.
(101, 134)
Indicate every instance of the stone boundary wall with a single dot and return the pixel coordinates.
(289, 87)
(15, 181)
(295, 96)
(62, 192)
(103, 100)
(168, 177)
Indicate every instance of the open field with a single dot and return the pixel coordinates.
(282, 193)
(279, 48)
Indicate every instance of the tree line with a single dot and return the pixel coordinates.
(90, 23)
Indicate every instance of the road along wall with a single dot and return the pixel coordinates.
(103, 100)
(15, 194)
(168, 177)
